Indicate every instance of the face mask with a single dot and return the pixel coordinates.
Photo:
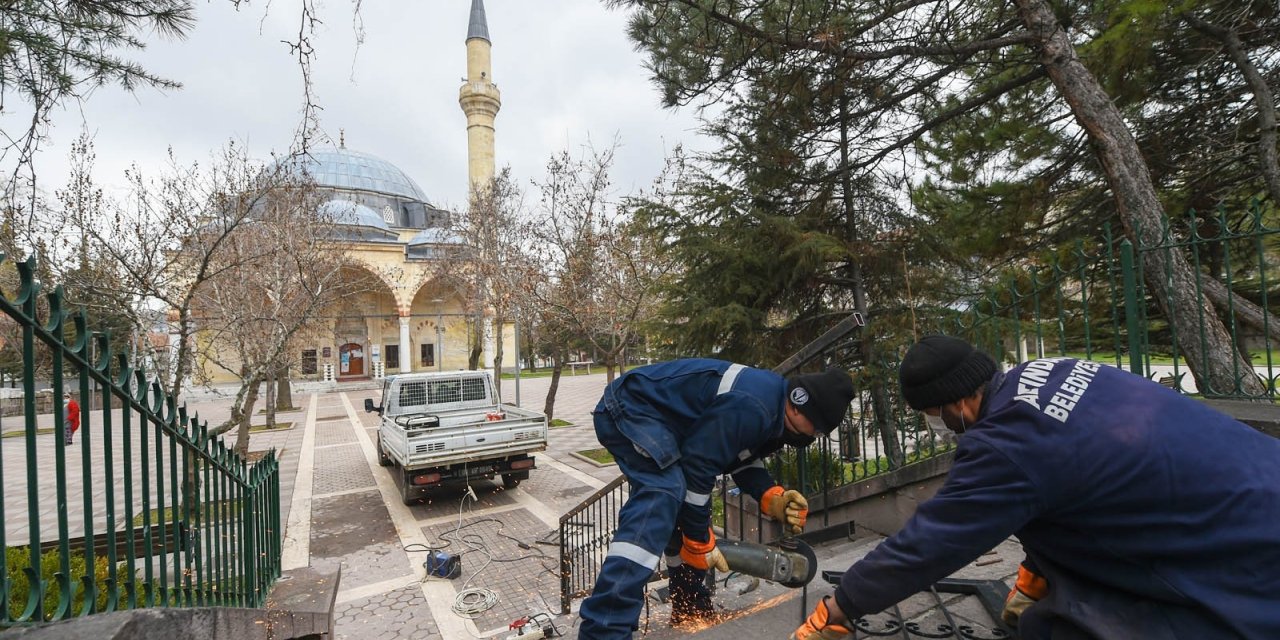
(797, 440)
(935, 422)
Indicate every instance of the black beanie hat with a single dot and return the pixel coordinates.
(939, 370)
(823, 398)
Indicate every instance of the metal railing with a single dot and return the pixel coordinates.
(1096, 303)
(1090, 302)
(150, 512)
(878, 435)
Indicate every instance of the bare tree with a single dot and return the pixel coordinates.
(252, 310)
(173, 234)
(602, 270)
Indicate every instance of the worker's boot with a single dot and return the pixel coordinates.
(690, 597)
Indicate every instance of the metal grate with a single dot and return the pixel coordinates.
(940, 622)
(585, 534)
(412, 394)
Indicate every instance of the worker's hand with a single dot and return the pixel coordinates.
(703, 555)
(786, 506)
(1028, 589)
(818, 626)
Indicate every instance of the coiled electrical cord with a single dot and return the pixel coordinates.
(471, 602)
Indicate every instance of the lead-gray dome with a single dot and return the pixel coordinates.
(351, 213)
(343, 168)
(436, 235)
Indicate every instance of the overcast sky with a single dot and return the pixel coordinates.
(567, 73)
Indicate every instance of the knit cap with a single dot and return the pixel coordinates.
(941, 369)
(823, 398)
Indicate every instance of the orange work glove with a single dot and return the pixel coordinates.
(1027, 590)
(818, 626)
(703, 555)
(786, 506)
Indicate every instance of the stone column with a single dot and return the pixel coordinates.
(406, 353)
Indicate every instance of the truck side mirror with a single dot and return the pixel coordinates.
(370, 407)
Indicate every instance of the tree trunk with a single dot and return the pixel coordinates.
(1246, 312)
(1213, 359)
(477, 344)
(497, 355)
(270, 404)
(284, 391)
(1262, 99)
(183, 354)
(557, 367)
(881, 407)
(246, 417)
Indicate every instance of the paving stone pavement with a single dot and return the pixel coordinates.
(396, 614)
(354, 520)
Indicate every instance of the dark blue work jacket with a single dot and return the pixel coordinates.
(1119, 481)
(709, 416)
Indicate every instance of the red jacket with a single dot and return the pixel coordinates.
(73, 415)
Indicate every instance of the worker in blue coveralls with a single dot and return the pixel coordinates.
(673, 428)
(1145, 513)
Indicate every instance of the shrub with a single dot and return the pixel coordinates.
(19, 558)
(819, 463)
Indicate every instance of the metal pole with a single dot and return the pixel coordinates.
(518, 365)
(439, 343)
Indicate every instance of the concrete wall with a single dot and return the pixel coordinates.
(877, 506)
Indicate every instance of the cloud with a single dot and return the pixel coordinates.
(567, 73)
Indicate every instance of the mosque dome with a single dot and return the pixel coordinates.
(435, 236)
(342, 168)
(351, 213)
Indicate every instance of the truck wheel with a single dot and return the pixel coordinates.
(512, 480)
(407, 493)
(383, 459)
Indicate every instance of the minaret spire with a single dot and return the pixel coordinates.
(479, 98)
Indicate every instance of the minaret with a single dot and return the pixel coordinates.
(479, 99)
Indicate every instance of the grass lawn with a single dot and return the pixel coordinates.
(263, 411)
(280, 426)
(16, 434)
(229, 506)
(557, 423)
(601, 455)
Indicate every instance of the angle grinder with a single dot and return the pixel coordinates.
(789, 562)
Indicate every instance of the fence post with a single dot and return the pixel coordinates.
(1131, 306)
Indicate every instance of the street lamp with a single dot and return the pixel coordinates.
(439, 339)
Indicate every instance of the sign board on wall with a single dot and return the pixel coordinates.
(327, 353)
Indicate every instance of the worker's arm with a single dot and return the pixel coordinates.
(753, 478)
(732, 425)
(986, 498)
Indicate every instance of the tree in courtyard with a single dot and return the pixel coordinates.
(900, 71)
(601, 274)
(250, 313)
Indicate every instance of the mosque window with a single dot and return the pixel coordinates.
(309, 361)
(393, 356)
(428, 355)
(389, 214)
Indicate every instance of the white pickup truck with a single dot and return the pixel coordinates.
(449, 428)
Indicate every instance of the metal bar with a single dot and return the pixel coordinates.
(27, 298)
(807, 353)
(1131, 306)
(63, 577)
(88, 580)
(109, 480)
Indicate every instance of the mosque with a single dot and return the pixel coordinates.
(407, 319)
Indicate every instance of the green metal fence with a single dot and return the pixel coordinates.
(143, 510)
(1096, 303)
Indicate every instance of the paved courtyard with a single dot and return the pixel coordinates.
(343, 510)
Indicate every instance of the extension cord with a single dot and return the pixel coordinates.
(536, 633)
